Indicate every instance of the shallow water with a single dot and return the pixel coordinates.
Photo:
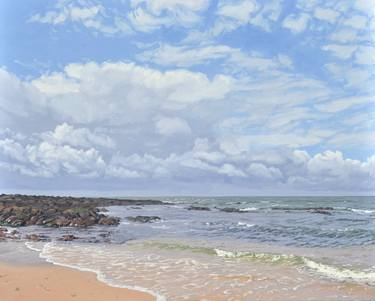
(181, 271)
(274, 249)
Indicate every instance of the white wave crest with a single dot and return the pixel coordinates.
(363, 211)
(245, 224)
(341, 274)
(248, 209)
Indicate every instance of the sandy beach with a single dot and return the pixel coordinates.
(47, 282)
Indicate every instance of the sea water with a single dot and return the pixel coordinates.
(268, 248)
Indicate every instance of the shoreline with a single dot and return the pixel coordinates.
(52, 282)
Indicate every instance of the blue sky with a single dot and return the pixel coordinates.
(187, 97)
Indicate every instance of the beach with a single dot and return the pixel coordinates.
(48, 282)
(191, 248)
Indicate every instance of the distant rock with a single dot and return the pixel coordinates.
(232, 210)
(68, 237)
(144, 219)
(303, 208)
(37, 237)
(33, 237)
(321, 211)
(198, 208)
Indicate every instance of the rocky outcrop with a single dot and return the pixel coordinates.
(23, 210)
(144, 219)
(17, 216)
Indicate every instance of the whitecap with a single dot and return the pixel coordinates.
(248, 209)
(245, 224)
(362, 211)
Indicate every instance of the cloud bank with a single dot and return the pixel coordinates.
(199, 97)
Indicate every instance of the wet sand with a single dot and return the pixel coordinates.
(47, 282)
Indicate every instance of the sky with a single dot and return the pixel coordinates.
(175, 97)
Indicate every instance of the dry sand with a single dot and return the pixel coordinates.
(53, 283)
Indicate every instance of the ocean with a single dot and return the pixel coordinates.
(233, 248)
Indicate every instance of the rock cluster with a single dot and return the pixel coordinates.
(17, 216)
(23, 210)
(5, 233)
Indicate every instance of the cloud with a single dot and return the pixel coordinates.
(365, 7)
(365, 55)
(81, 137)
(52, 158)
(48, 160)
(326, 14)
(365, 138)
(231, 15)
(172, 126)
(332, 164)
(285, 60)
(17, 98)
(149, 15)
(344, 35)
(296, 23)
(68, 13)
(326, 171)
(90, 16)
(268, 15)
(240, 11)
(91, 87)
(184, 56)
(341, 51)
(238, 144)
(232, 58)
(357, 22)
(12, 149)
(259, 170)
(338, 105)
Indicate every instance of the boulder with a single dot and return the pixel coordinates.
(321, 211)
(68, 237)
(109, 221)
(33, 237)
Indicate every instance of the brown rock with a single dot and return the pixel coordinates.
(33, 237)
(68, 237)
